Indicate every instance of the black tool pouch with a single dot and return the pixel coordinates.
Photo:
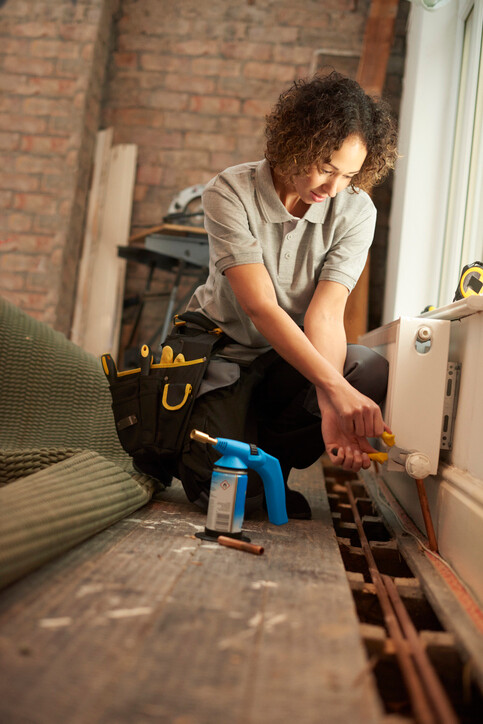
(152, 403)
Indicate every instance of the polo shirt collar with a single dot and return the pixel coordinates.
(272, 208)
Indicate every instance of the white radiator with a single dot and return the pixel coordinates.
(417, 352)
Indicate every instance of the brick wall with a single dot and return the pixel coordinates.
(53, 57)
(188, 82)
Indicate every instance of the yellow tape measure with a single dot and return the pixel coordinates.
(471, 281)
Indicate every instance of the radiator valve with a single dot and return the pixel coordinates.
(417, 465)
(424, 334)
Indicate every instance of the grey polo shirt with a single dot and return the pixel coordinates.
(247, 223)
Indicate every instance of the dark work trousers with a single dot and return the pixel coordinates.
(289, 422)
(274, 407)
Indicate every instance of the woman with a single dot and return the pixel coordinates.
(289, 237)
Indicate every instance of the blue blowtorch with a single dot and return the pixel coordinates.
(226, 505)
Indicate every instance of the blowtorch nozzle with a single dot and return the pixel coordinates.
(203, 437)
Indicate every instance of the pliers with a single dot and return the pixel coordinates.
(395, 453)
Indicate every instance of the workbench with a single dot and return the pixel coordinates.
(183, 252)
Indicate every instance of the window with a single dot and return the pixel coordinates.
(463, 237)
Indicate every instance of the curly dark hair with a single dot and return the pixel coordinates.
(313, 118)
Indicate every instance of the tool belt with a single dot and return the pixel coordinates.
(152, 404)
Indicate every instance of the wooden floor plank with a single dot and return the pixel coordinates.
(146, 623)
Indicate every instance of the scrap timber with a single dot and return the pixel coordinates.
(147, 623)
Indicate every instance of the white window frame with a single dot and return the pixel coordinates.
(420, 225)
(463, 239)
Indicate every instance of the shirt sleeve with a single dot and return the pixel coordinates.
(347, 255)
(226, 222)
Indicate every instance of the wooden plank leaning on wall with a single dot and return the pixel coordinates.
(100, 290)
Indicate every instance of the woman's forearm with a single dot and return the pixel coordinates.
(298, 349)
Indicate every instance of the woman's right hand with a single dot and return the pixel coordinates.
(348, 419)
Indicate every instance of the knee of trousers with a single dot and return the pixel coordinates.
(367, 371)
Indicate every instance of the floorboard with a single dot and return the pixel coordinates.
(145, 622)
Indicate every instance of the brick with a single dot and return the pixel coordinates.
(18, 181)
(195, 47)
(125, 60)
(257, 108)
(164, 63)
(190, 83)
(247, 51)
(15, 46)
(250, 148)
(309, 14)
(47, 107)
(12, 83)
(34, 30)
(62, 125)
(10, 104)
(9, 141)
(210, 141)
(28, 301)
(33, 244)
(7, 162)
(64, 208)
(39, 282)
(44, 145)
(150, 175)
(30, 66)
(249, 88)
(39, 164)
(150, 137)
(269, 71)
(242, 126)
(71, 67)
(21, 124)
(56, 182)
(78, 31)
(292, 54)
(144, 214)
(18, 222)
(45, 224)
(12, 282)
(207, 29)
(273, 34)
(215, 105)
(195, 176)
(35, 203)
(52, 86)
(136, 117)
(131, 40)
(218, 67)
(87, 52)
(164, 100)
(219, 161)
(140, 192)
(53, 49)
(6, 200)
(192, 122)
(184, 158)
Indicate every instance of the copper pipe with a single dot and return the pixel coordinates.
(423, 499)
(417, 695)
(240, 545)
(441, 703)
